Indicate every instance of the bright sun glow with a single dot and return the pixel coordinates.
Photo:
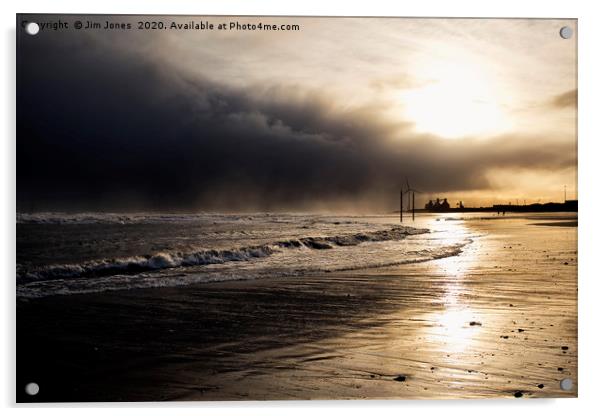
(458, 101)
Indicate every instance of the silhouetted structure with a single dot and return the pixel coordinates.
(438, 205)
(445, 204)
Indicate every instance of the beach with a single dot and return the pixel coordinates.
(497, 317)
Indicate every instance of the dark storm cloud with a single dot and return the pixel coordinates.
(102, 127)
(566, 99)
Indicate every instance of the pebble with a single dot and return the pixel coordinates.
(400, 378)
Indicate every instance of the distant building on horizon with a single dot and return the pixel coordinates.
(438, 205)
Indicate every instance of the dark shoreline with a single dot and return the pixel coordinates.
(558, 224)
(507, 209)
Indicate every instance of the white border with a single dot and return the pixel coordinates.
(590, 273)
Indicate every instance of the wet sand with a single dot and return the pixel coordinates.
(499, 320)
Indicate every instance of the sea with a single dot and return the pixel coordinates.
(65, 254)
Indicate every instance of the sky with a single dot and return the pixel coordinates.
(331, 117)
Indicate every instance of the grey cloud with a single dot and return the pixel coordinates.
(110, 129)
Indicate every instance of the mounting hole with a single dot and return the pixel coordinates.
(566, 32)
(32, 389)
(32, 28)
(566, 384)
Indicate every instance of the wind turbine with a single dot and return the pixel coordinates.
(411, 194)
(401, 204)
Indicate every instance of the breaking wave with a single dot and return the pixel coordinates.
(167, 260)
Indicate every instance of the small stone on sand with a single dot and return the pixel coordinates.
(400, 378)
(473, 323)
(540, 386)
(518, 394)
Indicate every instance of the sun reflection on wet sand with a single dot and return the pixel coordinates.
(453, 329)
(498, 320)
(457, 325)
